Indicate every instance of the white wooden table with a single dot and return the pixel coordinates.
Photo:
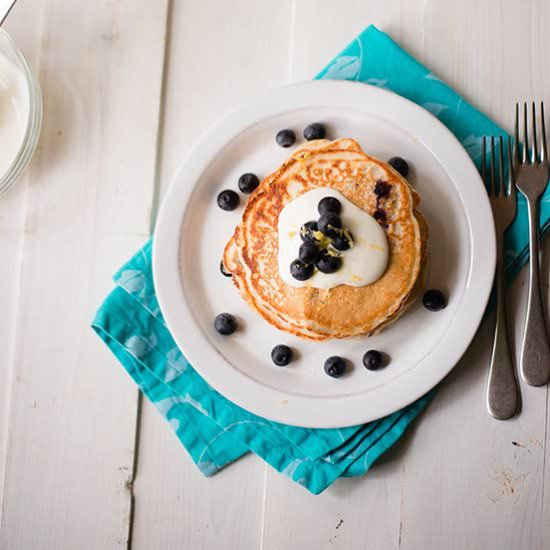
(128, 87)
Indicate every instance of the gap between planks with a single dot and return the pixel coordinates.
(155, 201)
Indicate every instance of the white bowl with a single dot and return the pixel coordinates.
(29, 101)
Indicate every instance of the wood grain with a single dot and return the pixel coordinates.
(86, 207)
(12, 223)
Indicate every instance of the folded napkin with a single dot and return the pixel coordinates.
(215, 431)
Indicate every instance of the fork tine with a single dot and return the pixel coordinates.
(535, 151)
(544, 150)
(516, 136)
(510, 185)
(483, 161)
(501, 187)
(492, 187)
(525, 156)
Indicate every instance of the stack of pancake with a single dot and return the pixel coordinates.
(251, 256)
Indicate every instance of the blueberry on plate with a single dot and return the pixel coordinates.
(335, 366)
(248, 182)
(329, 204)
(285, 138)
(434, 300)
(307, 231)
(329, 224)
(308, 252)
(400, 165)
(327, 263)
(281, 355)
(224, 271)
(373, 359)
(228, 200)
(225, 324)
(316, 130)
(300, 270)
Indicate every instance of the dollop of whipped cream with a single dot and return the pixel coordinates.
(363, 264)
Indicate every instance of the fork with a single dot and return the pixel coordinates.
(531, 178)
(502, 386)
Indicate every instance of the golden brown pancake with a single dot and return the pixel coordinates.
(343, 311)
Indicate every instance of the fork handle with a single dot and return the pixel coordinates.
(502, 388)
(535, 349)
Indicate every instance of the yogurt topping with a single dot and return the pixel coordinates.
(14, 111)
(363, 264)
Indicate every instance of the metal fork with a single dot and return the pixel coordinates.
(531, 178)
(502, 386)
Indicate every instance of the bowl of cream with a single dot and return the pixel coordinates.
(20, 112)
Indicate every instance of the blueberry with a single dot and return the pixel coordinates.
(340, 244)
(327, 263)
(400, 165)
(434, 300)
(285, 138)
(248, 182)
(308, 252)
(329, 224)
(228, 200)
(329, 204)
(343, 241)
(315, 130)
(281, 355)
(307, 231)
(382, 188)
(301, 271)
(335, 366)
(372, 360)
(224, 271)
(225, 324)
(380, 215)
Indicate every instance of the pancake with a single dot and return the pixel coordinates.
(251, 256)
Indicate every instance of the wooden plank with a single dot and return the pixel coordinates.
(12, 222)
(11, 240)
(220, 55)
(72, 409)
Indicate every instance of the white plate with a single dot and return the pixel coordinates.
(192, 231)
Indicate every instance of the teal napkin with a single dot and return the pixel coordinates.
(215, 431)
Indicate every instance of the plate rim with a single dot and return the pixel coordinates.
(275, 404)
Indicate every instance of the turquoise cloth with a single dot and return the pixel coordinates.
(215, 431)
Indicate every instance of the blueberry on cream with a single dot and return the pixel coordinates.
(300, 270)
(310, 232)
(308, 252)
(328, 263)
(329, 224)
(329, 204)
